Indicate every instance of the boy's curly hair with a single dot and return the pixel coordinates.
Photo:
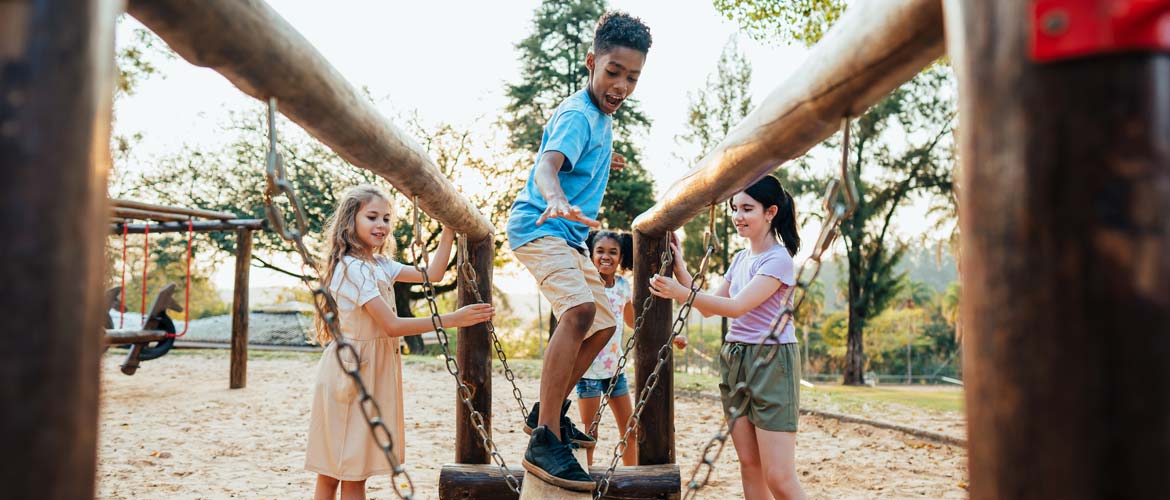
(619, 29)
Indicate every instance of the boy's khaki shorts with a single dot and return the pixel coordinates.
(567, 278)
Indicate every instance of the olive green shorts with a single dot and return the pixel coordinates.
(774, 404)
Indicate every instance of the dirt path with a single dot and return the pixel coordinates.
(175, 431)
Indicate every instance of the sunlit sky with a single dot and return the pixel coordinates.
(449, 61)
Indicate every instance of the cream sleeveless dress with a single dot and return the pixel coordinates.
(340, 443)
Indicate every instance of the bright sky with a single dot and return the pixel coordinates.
(449, 61)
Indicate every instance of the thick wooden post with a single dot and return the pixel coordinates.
(56, 72)
(656, 430)
(1066, 263)
(239, 361)
(474, 353)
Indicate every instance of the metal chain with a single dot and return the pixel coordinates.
(839, 205)
(697, 283)
(325, 304)
(667, 258)
(473, 278)
(419, 255)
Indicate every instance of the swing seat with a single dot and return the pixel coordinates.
(486, 482)
(159, 330)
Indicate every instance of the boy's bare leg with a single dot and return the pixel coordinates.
(585, 356)
(563, 348)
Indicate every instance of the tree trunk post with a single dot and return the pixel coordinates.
(239, 356)
(1066, 262)
(474, 354)
(656, 428)
(854, 373)
(56, 88)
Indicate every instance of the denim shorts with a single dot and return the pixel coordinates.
(595, 387)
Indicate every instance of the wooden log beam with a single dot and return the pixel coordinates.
(127, 336)
(874, 48)
(1066, 263)
(655, 433)
(473, 351)
(194, 212)
(197, 226)
(485, 482)
(56, 88)
(238, 369)
(264, 56)
(136, 214)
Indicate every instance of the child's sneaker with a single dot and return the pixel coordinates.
(552, 461)
(569, 432)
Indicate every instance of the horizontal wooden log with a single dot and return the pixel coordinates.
(197, 226)
(136, 214)
(264, 56)
(873, 49)
(194, 212)
(485, 482)
(126, 336)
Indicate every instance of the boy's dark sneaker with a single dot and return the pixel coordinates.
(569, 432)
(552, 461)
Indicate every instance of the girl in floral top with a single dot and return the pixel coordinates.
(610, 251)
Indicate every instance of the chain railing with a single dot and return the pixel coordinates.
(473, 279)
(698, 281)
(840, 202)
(326, 305)
(419, 256)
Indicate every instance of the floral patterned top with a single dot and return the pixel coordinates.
(605, 366)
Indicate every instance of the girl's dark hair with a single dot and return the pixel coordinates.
(769, 192)
(624, 240)
(618, 29)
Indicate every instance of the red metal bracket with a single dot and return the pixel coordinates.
(1065, 29)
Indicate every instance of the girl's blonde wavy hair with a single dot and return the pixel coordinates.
(341, 239)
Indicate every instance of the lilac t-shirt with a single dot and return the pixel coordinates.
(753, 326)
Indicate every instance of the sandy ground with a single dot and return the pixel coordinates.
(176, 431)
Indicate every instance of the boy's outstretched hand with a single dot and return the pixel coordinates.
(617, 162)
(562, 209)
(680, 342)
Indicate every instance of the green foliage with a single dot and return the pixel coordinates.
(901, 148)
(783, 21)
(552, 59)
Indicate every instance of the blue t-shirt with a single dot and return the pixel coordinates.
(584, 135)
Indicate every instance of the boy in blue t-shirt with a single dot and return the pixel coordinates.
(547, 229)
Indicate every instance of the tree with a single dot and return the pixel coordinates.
(902, 148)
(553, 62)
(783, 21)
(714, 110)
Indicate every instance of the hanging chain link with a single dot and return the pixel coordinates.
(473, 279)
(421, 262)
(698, 281)
(839, 205)
(325, 304)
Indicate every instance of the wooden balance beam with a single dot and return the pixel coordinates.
(486, 482)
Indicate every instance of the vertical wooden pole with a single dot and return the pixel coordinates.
(56, 86)
(239, 357)
(656, 430)
(474, 354)
(1066, 264)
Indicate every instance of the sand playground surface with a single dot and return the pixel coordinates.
(174, 430)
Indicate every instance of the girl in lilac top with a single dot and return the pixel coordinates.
(752, 296)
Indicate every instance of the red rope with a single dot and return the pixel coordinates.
(122, 307)
(145, 262)
(187, 299)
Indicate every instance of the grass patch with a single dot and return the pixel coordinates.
(945, 399)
